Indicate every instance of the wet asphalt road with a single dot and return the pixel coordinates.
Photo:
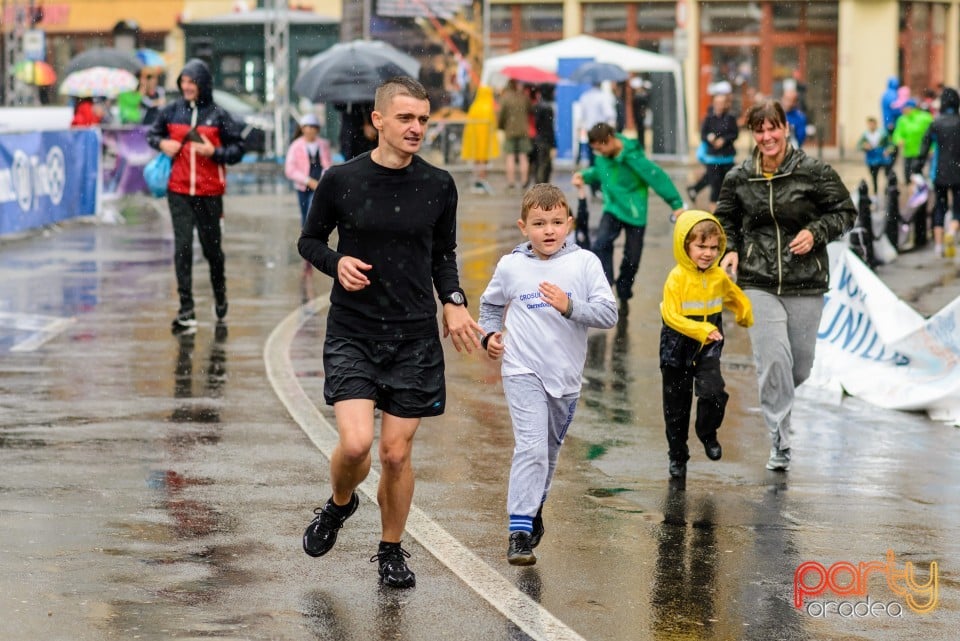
(155, 486)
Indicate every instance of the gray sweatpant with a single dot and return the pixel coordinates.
(540, 424)
(784, 338)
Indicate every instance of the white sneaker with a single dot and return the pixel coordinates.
(779, 460)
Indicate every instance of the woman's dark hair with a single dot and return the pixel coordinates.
(766, 110)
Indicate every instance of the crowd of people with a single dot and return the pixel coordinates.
(761, 252)
(139, 106)
(923, 130)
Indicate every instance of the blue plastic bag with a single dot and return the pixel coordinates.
(156, 173)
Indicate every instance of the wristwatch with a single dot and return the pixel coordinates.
(456, 297)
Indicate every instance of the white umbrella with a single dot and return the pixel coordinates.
(98, 82)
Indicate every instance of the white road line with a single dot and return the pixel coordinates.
(526, 614)
(41, 328)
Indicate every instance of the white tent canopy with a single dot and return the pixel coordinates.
(630, 59)
(545, 56)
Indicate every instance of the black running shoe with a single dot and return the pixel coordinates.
(220, 309)
(321, 534)
(393, 566)
(713, 450)
(519, 551)
(537, 529)
(184, 319)
(692, 193)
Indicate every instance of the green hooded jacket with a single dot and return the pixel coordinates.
(909, 131)
(625, 181)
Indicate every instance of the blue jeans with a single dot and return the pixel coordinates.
(304, 198)
(608, 232)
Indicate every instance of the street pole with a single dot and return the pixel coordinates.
(277, 58)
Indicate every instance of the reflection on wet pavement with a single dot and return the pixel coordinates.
(186, 486)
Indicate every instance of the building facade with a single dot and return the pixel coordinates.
(839, 52)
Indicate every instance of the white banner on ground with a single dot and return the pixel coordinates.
(874, 346)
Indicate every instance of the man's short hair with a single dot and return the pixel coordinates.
(398, 86)
(543, 196)
(600, 133)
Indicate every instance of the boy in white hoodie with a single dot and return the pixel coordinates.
(555, 291)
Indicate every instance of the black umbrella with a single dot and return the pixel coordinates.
(105, 57)
(351, 71)
(593, 73)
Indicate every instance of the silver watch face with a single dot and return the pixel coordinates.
(456, 298)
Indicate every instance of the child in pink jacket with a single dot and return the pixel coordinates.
(307, 158)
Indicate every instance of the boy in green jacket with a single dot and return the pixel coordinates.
(909, 130)
(625, 175)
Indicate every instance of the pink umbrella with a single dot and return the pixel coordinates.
(98, 82)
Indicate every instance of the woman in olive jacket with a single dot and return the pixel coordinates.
(779, 209)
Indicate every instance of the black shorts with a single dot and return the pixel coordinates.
(403, 378)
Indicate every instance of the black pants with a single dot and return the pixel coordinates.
(941, 208)
(202, 213)
(608, 231)
(911, 166)
(679, 384)
(712, 177)
(541, 164)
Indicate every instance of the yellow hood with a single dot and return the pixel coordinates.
(682, 228)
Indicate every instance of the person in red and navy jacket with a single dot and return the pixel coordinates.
(201, 138)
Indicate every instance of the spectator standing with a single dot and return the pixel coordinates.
(796, 117)
(625, 175)
(480, 144)
(718, 133)
(201, 138)
(514, 116)
(875, 144)
(396, 222)
(779, 210)
(596, 106)
(307, 158)
(944, 136)
(641, 101)
(87, 113)
(889, 108)
(152, 95)
(357, 133)
(544, 137)
(908, 133)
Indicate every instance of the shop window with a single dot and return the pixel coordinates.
(920, 16)
(787, 16)
(822, 16)
(604, 17)
(938, 20)
(656, 16)
(730, 17)
(540, 18)
(501, 18)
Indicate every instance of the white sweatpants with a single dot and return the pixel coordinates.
(540, 424)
